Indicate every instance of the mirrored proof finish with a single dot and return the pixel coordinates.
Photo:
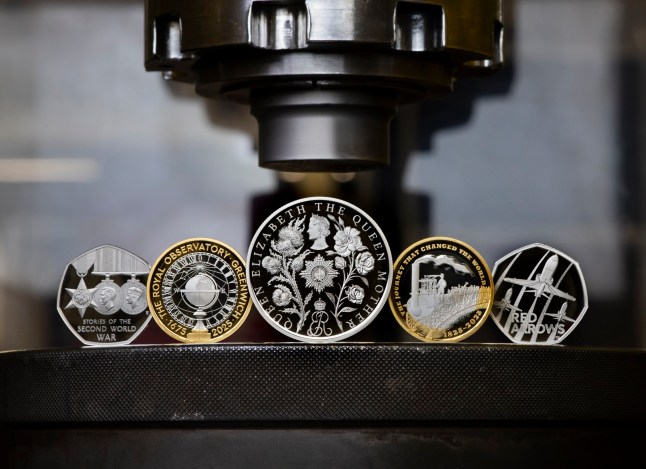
(540, 295)
(442, 291)
(198, 291)
(319, 269)
(102, 296)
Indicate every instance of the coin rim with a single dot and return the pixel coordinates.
(350, 332)
(458, 242)
(62, 315)
(163, 327)
(584, 309)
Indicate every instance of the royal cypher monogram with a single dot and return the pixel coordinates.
(324, 285)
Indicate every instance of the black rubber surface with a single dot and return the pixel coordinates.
(314, 383)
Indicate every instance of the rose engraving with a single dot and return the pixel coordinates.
(354, 261)
(337, 273)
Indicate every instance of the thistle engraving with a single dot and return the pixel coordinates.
(285, 261)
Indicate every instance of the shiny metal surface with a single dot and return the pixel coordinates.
(102, 299)
(197, 291)
(333, 71)
(541, 296)
(112, 150)
(443, 290)
(319, 269)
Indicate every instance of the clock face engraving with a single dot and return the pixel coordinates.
(319, 269)
(198, 291)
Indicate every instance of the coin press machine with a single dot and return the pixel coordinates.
(324, 78)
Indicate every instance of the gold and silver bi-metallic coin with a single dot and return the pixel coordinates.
(319, 269)
(442, 290)
(102, 296)
(197, 291)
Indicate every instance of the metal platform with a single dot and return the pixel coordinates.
(367, 405)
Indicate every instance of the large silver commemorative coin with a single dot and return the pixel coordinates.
(540, 295)
(319, 270)
(102, 296)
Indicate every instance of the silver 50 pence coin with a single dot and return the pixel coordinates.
(540, 295)
(319, 269)
(102, 296)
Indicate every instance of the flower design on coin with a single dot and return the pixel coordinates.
(198, 291)
(93, 296)
(355, 294)
(540, 295)
(319, 269)
(282, 296)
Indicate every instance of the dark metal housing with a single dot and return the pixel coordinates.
(323, 77)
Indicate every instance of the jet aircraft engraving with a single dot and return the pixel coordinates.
(542, 284)
(560, 316)
(505, 303)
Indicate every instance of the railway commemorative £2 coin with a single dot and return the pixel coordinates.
(442, 290)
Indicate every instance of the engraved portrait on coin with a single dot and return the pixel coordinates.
(540, 295)
(134, 297)
(91, 299)
(107, 297)
(442, 290)
(198, 291)
(319, 269)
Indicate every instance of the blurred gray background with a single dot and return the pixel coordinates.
(94, 150)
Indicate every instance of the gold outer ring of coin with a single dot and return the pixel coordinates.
(465, 254)
(158, 309)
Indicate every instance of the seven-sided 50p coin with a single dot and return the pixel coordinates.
(319, 269)
(197, 291)
(540, 295)
(442, 290)
(102, 296)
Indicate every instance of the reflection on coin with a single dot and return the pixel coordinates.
(90, 296)
(198, 291)
(540, 295)
(442, 290)
(319, 269)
